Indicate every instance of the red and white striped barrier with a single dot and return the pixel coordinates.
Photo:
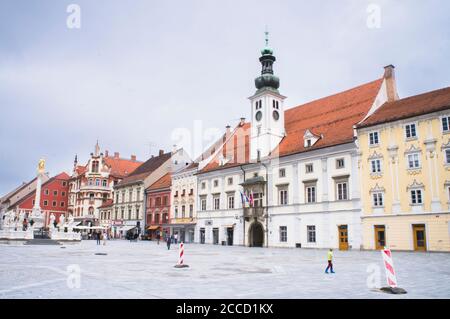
(180, 259)
(181, 263)
(389, 268)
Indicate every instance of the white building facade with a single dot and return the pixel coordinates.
(298, 169)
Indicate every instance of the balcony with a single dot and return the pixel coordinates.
(252, 212)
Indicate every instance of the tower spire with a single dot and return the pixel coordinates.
(267, 36)
(97, 149)
(267, 79)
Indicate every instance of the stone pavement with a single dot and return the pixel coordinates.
(145, 270)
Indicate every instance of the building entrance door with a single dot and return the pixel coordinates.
(343, 237)
(202, 235)
(420, 241)
(380, 237)
(256, 235)
(215, 236)
(230, 236)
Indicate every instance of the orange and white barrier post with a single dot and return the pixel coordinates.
(181, 263)
(389, 268)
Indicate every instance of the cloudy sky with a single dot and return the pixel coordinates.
(137, 73)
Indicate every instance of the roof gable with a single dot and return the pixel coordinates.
(416, 105)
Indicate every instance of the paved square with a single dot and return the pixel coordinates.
(145, 270)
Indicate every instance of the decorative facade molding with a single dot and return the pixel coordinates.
(377, 189)
(413, 149)
(375, 155)
(415, 185)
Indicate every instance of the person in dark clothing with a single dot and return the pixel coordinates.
(158, 237)
(99, 237)
(169, 241)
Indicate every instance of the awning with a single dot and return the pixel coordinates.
(87, 227)
(153, 227)
(125, 227)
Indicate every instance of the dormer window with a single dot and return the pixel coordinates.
(310, 139)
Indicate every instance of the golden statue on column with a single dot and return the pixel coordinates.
(41, 166)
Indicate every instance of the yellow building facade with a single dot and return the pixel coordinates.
(404, 166)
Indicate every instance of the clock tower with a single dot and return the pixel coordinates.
(267, 111)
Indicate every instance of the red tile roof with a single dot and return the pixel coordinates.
(80, 170)
(107, 203)
(144, 170)
(163, 182)
(332, 118)
(409, 107)
(121, 167)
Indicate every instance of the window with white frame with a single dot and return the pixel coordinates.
(216, 183)
(340, 163)
(310, 192)
(378, 199)
(283, 234)
(373, 139)
(447, 156)
(413, 160)
(176, 211)
(230, 201)
(308, 143)
(416, 196)
(104, 183)
(203, 203)
(446, 123)
(216, 202)
(309, 168)
(282, 172)
(282, 196)
(375, 166)
(203, 185)
(230, 180)
(342, 190)
(311, 233)
(410, 131)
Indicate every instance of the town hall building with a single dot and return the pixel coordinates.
(289, 177)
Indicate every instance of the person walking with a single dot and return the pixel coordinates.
(176, 238)
(98, 238)
(330, 261)
(158, 237)
(169, 240)
(105, 237)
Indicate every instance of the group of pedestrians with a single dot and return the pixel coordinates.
(99, 236)
(172, 239)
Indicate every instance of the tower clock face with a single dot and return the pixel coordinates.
(258, 116)
(276, 115)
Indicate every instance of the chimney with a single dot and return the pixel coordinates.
(106, 153)
(242, 122)
(161, 152)
(391, 86)
(133, 158)
(228, 130)
(116, 155)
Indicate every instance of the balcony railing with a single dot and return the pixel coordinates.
(252, 212)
